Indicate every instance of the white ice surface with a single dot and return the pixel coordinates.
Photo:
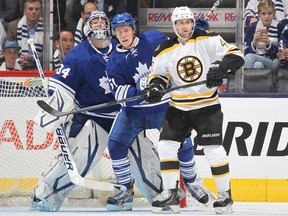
(240, 208)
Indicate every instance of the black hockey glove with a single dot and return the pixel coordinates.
(153, 93)
(215, 74)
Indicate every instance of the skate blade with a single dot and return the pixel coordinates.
(116, 208)
(173, 209)
(224, 210)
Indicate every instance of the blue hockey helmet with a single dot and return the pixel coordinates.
(123, 19)
(99, 33)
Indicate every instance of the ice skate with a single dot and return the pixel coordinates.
(38, 204)
(121, 201)
(197, 191)
(167, 202)
(223, 204)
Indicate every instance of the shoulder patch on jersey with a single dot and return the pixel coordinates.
(165, 45)
(208, 33)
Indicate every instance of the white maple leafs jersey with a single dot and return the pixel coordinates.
(185, 63)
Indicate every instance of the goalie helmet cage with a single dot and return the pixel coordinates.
(27, 150)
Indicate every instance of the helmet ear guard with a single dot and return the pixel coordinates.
(97, 33)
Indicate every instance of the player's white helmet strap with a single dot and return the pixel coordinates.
(180, 13)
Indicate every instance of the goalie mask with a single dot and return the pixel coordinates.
(97, 26)
(180, 13)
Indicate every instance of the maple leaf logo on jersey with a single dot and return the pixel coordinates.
(143, 71)
(105, 84)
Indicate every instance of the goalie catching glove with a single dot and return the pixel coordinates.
(153, 92)
(216, 73)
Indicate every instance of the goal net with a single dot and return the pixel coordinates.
(26, 149)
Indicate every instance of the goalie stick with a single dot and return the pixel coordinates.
(47, 108)
(73, 173)
(30, 41)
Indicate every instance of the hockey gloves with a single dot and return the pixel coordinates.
(201, 24)
(153, 93)
(215, 74)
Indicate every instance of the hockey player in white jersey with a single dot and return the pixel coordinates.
(128, 68)
(191, 57)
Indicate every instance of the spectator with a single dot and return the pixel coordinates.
(2, 38)
(77, 8)
(87, 9)
(283, 47)
(10, 50)
(281, 76)
(29, 26)
(64, 43)
(113, 7)
(261, 39)
(9, 11)
(251, 14)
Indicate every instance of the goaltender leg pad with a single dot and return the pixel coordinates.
(87, 149)
(145, 167)
(59, 101)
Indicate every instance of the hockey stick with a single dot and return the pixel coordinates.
(30, 41)
(46, 107)
(73, 173)
(216, 4)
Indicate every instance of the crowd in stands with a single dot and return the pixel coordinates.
(266, 36)
(266, 29)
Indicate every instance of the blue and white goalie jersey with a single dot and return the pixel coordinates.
(82, 76)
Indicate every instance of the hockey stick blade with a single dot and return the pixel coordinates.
(47, 108)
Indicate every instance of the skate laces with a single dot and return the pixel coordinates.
(223, 196)
(166, 194)
(123, 194)
(196, 189)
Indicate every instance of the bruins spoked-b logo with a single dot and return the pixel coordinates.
(189, 68)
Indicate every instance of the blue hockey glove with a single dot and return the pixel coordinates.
(201, 24)
(215, 74)
(153, 93)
